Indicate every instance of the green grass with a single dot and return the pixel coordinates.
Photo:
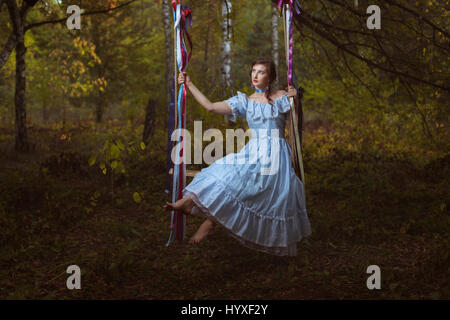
(365, 208)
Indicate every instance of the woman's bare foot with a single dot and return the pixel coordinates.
(202, 231)
(185, 205)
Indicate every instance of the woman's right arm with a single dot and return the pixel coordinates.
(216, 107)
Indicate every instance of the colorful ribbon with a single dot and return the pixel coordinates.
(288, 23)
(182, 19)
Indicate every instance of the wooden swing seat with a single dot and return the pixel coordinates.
(189, 173)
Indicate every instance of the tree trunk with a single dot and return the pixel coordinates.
(275, 56)
(99, 109)
(17, 18)
(226, 45)
(45, 110)
(149, 125)
(226, 49)
(19, 98)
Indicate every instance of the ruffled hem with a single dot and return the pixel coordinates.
(273, 235)
(198, 209)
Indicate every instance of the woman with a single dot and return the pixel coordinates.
(264, 212)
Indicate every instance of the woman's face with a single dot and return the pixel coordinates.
(260, 76)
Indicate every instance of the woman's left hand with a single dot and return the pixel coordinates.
(292, 92)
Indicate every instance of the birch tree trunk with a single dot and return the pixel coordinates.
(275, 56)
(226, 45)
(205, 58)
(166, 16)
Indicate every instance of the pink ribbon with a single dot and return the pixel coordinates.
(291, 36)
(296, 6)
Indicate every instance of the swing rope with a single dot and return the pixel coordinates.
(287, 6)
(182, 19)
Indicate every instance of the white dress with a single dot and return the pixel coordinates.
(263, 211)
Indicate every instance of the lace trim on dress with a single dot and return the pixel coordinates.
(244, 219)
(199, 209)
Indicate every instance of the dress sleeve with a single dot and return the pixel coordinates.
(238, 106)
(283, 104)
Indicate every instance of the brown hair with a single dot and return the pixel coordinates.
(271, 69)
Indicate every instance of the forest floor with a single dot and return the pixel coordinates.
(365, 208)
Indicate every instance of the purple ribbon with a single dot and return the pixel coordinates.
(296, 5)
(291, 36)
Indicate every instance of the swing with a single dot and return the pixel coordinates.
(189, 173)
(182, 16)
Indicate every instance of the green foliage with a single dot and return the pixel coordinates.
(367, 205)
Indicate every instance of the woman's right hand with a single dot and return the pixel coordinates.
(183, 77)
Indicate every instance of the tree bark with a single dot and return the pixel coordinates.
(149, 125)
(19, 98)
(226, 50)
(99, 108)
(226, 44)
(17, 19)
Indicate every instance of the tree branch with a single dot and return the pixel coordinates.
(13, 14)
(358, 78)
(417, 31)
(409, 89)
(12, 8)
(419, 16)
(37, 24)
(306, 20)
(7, 49)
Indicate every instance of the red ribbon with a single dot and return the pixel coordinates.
(186, 15)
